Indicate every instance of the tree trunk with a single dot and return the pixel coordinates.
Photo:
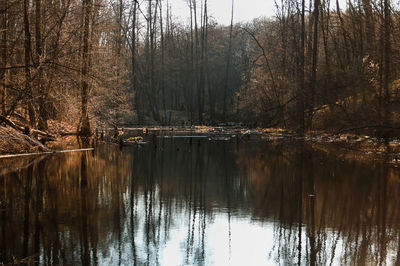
(204, 58)
(387, 64)
(192, 64)
(301, 88)
(164, 105)
(4, 56)
(325, 29)
(85, 129)
(151, 93)
(344, 34)
(28, 88)
(314, 66)
(370, 28)
(228, 66)
(197, 65)
(42, 119)
(133, 64)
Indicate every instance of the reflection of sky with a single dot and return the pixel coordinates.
(249, 242)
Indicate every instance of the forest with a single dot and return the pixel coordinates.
(315, 65)
(133, 135)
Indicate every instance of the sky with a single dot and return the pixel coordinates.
(244, 10)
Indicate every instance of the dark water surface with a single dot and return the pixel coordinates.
(201, 202)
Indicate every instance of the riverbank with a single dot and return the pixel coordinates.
(360, 146)
(13, 141)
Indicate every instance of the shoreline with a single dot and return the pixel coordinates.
(14, 144)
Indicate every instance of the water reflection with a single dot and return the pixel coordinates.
(200, 202)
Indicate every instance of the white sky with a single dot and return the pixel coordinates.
(244, 10)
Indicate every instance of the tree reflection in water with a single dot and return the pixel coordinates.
(347, 208)
(195, 201)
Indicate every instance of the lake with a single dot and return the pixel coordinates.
(201, 201)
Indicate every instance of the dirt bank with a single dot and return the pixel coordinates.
(12, 141)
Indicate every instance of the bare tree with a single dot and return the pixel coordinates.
(4, 54)
(28, 50)
(84, 126)
(228, 66)
(311, 96)
(387, 50)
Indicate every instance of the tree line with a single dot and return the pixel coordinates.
(314, 65)
(323, 66)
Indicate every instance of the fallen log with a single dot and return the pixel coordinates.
(63, 134)
(43, 153)
(26, 130)
(48, 136)
(32, 141)
(10, 123)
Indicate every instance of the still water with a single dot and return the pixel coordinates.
(196, 201)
